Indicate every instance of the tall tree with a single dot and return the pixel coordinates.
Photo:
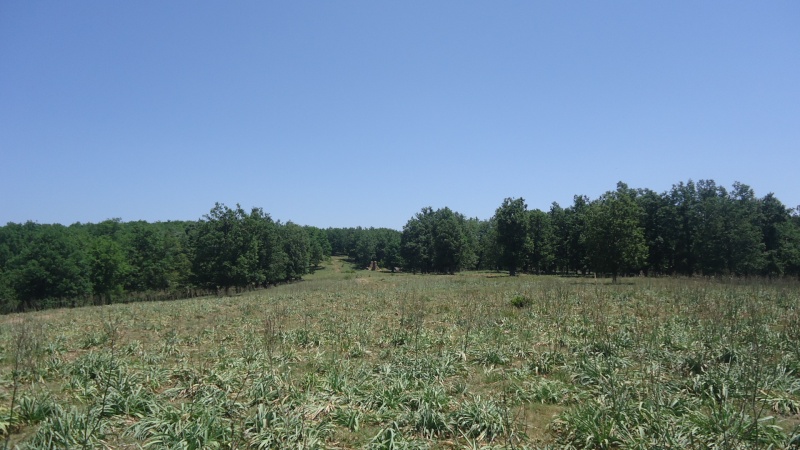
(338, 239)
(745, 235)
(576, 228)
(711, 239)
(560, 226)
(513, 237)
(157, 255)
(108, 267)
(234, 249)
(51, 265)
(487, 255)
(614, 235)
(416, 242)
(774, 215)
(472, 237)
(449, 241)
(657, 222)
(542, 257)
(387, 247)
(684, 227)
(435, 241)
(319, 247)
(272, 258)
(363, 252)
(295, 245)
(789, 247)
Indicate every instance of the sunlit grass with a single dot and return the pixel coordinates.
(358, 359)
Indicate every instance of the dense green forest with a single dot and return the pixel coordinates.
(692, 229)
(53, 265)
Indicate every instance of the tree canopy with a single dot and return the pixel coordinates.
(614, 235)
(513, 233)
(694, 228)
(436, 241)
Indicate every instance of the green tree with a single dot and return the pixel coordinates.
(789, 245)
(683, 227)
(569, 225)
(295, 246)
(387, 247)
(614, 235)
(560, 226)
(12, 238)
(576, 215)
(774, 217)
(472, 237)
(338, 238)
(363, 251)
(271, 257)
(486, 253)
(50, 265)
(436, 241)
(157, 255)
(449, 241)
(416, 242)
(744, 237)
(657, 221)
(108, 267)
(542, 256)
(225, 254)
(710, 245)
(319, 247)
(513, 234)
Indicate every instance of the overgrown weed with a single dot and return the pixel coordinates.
(414, 362)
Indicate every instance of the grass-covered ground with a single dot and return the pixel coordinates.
(356, 359)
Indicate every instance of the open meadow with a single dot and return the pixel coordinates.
(359, 359)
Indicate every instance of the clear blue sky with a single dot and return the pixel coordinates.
(340, 113)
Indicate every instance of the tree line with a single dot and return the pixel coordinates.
(692, 229)
(44, 266)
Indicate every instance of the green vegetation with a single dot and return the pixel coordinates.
(436, 242)
(512, 234)
(694, 229)
(43, 266)
(364, 245)
(360, 359)
(614, 238)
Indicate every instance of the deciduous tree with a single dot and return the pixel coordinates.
(513, 236)
(614, 236)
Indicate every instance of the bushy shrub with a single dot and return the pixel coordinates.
(520, 301)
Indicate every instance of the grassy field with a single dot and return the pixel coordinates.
(357, 359)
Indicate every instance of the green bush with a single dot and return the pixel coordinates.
(520, 301)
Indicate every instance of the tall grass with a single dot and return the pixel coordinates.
(377, 360)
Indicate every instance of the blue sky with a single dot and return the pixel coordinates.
(353, 113)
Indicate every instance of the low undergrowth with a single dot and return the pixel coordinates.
(385, 361)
